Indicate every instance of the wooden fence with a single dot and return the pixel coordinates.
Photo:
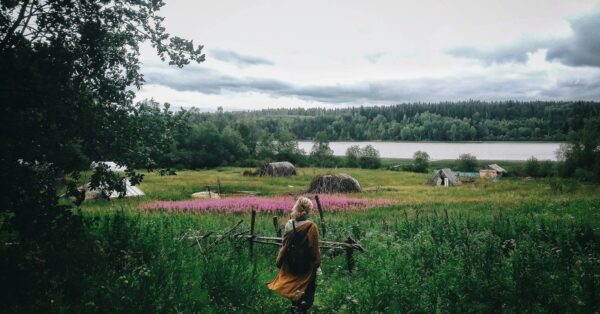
(348, 246)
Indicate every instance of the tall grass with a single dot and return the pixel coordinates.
(517, 246)
(416, 261)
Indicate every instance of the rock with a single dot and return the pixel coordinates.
(206, 195)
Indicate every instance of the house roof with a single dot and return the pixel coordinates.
(447, 173)
(497, 168)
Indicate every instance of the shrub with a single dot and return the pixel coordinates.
(532, 167)
(466, 162)
(369, 158)
(421, 163)
(352, 156)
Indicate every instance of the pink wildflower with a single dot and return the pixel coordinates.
(330, 203)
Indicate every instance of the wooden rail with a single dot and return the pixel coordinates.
(349, 246)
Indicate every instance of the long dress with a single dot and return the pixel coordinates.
(293, 286)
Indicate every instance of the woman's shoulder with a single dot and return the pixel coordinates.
(289, 225)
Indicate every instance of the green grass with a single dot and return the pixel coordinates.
(512, 246)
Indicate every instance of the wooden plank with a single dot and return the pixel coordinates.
(349, 255)
(341, 245)
(321, 217)
(219, 185)
(276, 225)
(252, 223)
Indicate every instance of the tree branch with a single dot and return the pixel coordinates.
(13, 27)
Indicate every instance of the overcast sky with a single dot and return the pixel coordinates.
(265, 54)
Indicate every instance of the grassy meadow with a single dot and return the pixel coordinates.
(513, 246)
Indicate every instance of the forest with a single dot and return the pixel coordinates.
(200, 140)
(445, 121)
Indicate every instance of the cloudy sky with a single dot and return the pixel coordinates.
(265, 54)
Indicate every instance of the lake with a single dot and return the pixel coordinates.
(451, 150)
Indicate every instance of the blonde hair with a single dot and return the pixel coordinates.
(302, 207)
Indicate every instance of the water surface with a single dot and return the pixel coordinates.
(451, 150)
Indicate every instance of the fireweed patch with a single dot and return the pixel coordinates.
(330, 203)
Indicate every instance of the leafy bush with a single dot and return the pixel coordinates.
(466, 162)
(421, 161)
(369, 158)
(366, 157)
(352, 156)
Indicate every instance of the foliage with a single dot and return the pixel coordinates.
(321, 154)
(352, 156)
(421, 161)
(130, 262)
(539, 169)
(444, 121)
(532, 167)
(270, 135)
(582, 156)
(366, 157)
(67, 74)
(420, 258)
(467, 163)
(369, 158)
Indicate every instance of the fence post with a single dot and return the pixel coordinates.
(276, 225)
(252, 222)
(219, 185)
(208, 189)
(350, 254)
(321, 217)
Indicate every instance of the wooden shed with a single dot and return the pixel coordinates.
(487, 173)
(444, 177)
(499, 170)
(492, 171)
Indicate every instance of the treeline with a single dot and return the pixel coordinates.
(447, 121)
(203, 140)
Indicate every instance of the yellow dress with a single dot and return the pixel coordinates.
(293, 286)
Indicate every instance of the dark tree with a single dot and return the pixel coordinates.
(68, 71)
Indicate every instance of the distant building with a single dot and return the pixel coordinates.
(488, 173)
(492, 171)
(499, 170)
(444, 177)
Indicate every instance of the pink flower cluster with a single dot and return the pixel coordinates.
(329, 203)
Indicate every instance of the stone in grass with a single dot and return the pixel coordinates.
(206, 195)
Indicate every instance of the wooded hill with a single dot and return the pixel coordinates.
(446, 121)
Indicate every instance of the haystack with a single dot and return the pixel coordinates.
(277, 169)
(334, 183)
(444, 175)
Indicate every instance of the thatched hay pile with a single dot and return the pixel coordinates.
(277, 169)
(334, 183)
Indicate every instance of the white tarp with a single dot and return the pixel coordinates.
(132, 191)
(112, 166)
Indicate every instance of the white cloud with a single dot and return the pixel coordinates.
(356, 52)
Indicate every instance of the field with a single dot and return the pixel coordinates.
(512, 246)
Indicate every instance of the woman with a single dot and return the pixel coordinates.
(298, 282)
